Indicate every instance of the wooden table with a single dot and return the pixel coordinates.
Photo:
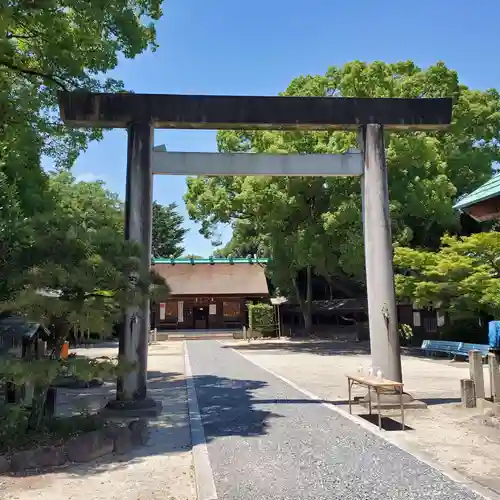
(379, 386)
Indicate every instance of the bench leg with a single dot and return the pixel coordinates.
(402, 409)
(349, 390)
(379, 410)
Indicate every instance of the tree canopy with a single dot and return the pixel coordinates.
(50, 45)
(317, 221)
(72, 268)
(168, 231)
(246, 240)
(55, 231)
(463, 276)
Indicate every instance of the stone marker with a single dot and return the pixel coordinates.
(123, 442)
(140, 432)
(89, 446)
(467, 393)
(494, 376)
(476, 372)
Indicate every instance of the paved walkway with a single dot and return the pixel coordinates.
(461, 440)
(268, 441)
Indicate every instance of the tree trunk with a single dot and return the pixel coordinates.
(335, 282)
(35, 418)
(305, 305)
(308, 305)
(330, 288)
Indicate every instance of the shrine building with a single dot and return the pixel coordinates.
(208, 294)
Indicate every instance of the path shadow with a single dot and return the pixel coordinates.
(325, 347)
(227, 407)
(388, 423)
(320, 347)
(440, 401)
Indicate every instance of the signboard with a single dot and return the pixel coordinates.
(416, 318)
(440, 318)
(163, 307)
(212, 309)
(180, 311)
(203, 300)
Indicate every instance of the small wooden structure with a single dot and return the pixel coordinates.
(19, 336)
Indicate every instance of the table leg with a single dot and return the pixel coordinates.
(369, 400)
(349, 388)
(379, 414)
(402, 409)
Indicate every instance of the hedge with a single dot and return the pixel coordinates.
(261, 319)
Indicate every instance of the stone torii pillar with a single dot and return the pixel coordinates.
(141, 113)
(382, 309)
(138, 227)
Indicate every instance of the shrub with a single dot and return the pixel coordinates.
(261, 319)
(405, 334)
(465, 330)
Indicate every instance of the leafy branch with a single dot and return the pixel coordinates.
(32, 72)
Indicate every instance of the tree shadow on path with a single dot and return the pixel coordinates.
(320, 347)
(309, 346)
(227, 408)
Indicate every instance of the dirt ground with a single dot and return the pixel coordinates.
(467, 440)
(162, 470)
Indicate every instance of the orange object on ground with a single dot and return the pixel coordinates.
(65, 350)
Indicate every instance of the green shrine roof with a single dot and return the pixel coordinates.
(488, 190)
(210, 260)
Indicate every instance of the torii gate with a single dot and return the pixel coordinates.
(140, 114)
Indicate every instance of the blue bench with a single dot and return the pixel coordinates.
(453, 348)
(482, 348)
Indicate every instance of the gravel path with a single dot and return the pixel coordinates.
(267, 441)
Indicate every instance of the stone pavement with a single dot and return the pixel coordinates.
(453, 436)
(162, 470)
(266, 440)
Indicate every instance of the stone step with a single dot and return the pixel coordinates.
(194, 335)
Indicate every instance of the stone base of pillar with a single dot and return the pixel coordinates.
(391, 401)
(132, 409)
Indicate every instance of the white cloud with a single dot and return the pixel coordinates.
(87, 177)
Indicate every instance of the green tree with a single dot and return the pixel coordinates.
(168, 232)
(246, 240)
(89, 202)
(45, 46)
(15, 234)
(74, 273)
(463, 276)
(50, 45)
(427, 171)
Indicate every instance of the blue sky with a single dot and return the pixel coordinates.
(258, 47)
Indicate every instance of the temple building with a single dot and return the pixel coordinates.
(208, 294)
(483, 204)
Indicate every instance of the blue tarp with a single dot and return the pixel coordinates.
(494, 333)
